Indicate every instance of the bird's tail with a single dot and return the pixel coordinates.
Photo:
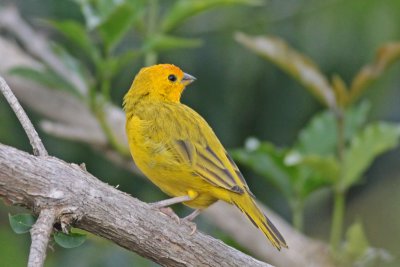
(248, 206)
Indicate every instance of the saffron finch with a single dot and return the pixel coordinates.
(179, 152)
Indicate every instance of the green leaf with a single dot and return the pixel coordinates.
(77, 34)
(165, 42)
(45, 77)
(71, 62)
(97, 12)
(21, 223)
(72, 240)
(313, 171)
(319, 136)
(301, 68)
(322, 166)
(117, 24)
(355, 118)
(183, 9)
(267, 161)
(372, 141)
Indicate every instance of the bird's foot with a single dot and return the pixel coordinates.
(169, 212)
(189, 220)
(192, 226)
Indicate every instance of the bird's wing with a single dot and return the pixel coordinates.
(216, 168)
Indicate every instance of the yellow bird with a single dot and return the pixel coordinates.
(179, 152)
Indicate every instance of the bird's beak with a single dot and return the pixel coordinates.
(187, 79)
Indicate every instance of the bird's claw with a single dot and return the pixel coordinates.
(193, 226)
(170, 213)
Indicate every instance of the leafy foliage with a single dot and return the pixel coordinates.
(112, 21)
(71, 240)
(164, 42)
(372, 141)
(182, 10)
(319, 136)
(21, 223)
(336, 147)
(45, 77)
(117, 24)
(268, 161)
(99, 60)
(76, 33)
(301, 68)
(311, 163)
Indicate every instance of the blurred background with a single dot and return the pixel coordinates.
(241, 95)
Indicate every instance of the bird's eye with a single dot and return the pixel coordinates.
(172, 78)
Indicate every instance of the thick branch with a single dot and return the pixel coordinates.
(40, 234)
(46, 182)
(34, 139)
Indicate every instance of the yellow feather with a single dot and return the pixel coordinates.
(179, 152)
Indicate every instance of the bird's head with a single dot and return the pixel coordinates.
(162, 82)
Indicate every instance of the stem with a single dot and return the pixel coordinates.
(297, 211)
(151, 56)
(104, 74)
(337, 219)
(339, 193)
(340, 135)
(105, 88)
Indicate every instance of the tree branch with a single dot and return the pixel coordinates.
(42, 183)
(34, 139)
(40, 234)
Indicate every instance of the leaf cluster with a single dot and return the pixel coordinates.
(23, 222)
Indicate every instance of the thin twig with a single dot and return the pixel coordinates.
(339, 195)
(34, 139)
(40, 234)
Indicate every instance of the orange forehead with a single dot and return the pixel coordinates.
(164, 68)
